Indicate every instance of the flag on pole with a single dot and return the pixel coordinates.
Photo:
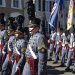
(54, 15)
(70, 15)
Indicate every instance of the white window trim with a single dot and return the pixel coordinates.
(3, 3)
(20, 5)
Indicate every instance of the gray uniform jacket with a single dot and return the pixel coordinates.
(21, 45)
(36, 42)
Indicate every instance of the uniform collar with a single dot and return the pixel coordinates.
(35, 33)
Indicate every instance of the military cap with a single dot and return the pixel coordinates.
(20, 18)
(34, 22)
(19, 29)
(12, 27)
(11, 19)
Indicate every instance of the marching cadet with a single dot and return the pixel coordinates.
(70, 52)
(19, 52)
(64, 48)
(6, 67)
(73, 70)
(36, 52)
(51, 41)
(3, 40)
(58, 45)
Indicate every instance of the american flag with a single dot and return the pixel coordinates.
(54, 15)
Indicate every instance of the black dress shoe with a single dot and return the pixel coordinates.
(67, 69)
(62, 65)
(73, 71)
(50, 59)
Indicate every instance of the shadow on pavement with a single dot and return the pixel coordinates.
(52, 71)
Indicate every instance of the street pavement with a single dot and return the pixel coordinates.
(55, 69)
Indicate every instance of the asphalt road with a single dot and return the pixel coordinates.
(54, 69)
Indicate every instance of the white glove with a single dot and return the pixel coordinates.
(17, 68)
(70, 45)
(63, 44)
(3, 52)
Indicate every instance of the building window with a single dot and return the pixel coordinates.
(0, 2)
(16, 4)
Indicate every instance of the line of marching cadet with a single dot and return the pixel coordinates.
(22, 56)
(18, 54)
(63, 43)
(11, 36)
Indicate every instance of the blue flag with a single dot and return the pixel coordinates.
(54, 16)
